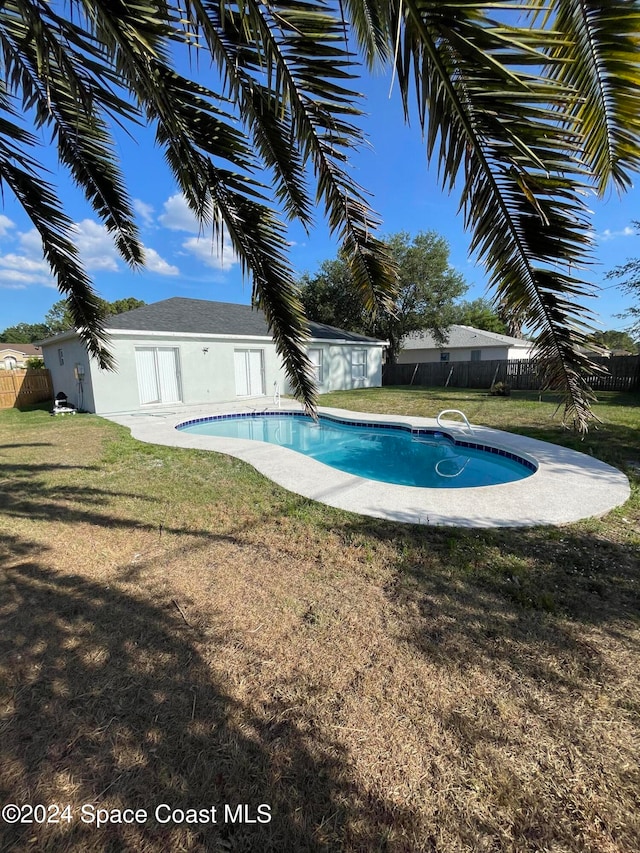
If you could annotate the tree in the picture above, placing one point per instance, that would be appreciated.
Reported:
(59, 317)
(480, 314)
(121, 306)
(427, 286)
(616, 340)
(24, 333)
(330, 297)
(34, 362)
(630, 272)
(494, 93)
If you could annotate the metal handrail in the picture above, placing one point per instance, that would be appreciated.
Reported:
(454, 412)
(450, 459)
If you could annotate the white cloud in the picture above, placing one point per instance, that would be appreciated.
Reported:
(5, 225)
(21, 270)
(145, 211)
(19, 279)
(28, 266)
(607, 234)
(10, 285)
(177, 216)
(95, 245)
(209, 252)
(24, 263)
(154, 263)
(96, 248)
(31, 243)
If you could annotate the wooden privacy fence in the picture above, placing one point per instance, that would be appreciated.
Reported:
(622, 373)
(20, 388)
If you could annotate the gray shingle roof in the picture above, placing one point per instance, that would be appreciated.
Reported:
(463, 336)
(200, 316)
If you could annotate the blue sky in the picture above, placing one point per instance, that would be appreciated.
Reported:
(183, 263)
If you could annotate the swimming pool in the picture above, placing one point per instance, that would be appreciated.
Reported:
(388, 453)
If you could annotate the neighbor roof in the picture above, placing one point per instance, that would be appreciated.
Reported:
(463, 336)
(25, 349)
(200, 316)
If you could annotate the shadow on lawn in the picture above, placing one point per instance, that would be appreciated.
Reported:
(32, 498)
(111, 703)
(548, 620)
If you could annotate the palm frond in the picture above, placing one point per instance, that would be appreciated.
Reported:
(23, 176)
(490, 118)
(262, 110)
(262, 248)
(297, 51)
(600, 62)
(47, 64)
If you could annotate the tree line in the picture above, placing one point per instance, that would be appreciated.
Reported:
(427, 299)
(59, 318)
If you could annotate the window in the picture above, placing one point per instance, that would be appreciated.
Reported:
(444, 356)
(315, 356)
(476, 354)
(60, 356)
(358, 365)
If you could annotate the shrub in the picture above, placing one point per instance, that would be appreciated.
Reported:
(500, 389)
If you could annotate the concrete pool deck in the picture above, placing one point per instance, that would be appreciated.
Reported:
(567, 486)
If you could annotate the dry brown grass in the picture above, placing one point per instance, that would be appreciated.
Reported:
(176, 629)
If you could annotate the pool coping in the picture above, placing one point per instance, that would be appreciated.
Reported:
(568, 485)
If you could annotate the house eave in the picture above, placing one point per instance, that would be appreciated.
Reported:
(59, 338)
(146, 333)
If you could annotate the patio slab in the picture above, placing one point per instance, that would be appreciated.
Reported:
(567, 486)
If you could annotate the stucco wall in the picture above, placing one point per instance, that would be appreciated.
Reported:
(63, 375)
(520, 352)
(341, 378)
(413, 356)
(206, 370)
(337, 369)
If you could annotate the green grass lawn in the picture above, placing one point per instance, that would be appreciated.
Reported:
(174, 628)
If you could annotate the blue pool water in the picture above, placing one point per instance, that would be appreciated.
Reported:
(389, 453)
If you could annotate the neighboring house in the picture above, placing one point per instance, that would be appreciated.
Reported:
(191, 351)
(14, 356)
(464, 343)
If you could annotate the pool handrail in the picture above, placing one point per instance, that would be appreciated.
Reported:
(449, 459)
(454, 412)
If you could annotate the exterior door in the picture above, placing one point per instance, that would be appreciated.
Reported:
(249, 372)
(158, 377)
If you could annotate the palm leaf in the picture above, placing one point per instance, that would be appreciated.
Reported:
(42, 67)
(600, 62)
(23, 176)
(296, 49)
(492, 104)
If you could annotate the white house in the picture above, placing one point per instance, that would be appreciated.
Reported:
(464, 343)
(192, 351)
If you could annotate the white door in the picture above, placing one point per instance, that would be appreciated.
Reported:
(167, 358)
(148, 387)
(158, 379)
(249, 372)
